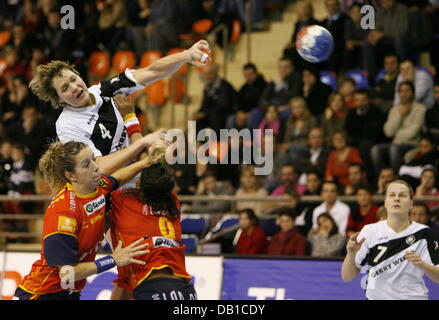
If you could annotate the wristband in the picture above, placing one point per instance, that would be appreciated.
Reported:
(132, 124)
(105, 263)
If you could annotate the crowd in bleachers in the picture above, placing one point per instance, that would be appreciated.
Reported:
(347, 126)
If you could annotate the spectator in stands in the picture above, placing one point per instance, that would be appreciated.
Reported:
(14, 100)
(417, 159)
(428, 185)
(432, 116)
(334, 117)
(252, 239)
(347, 90)
(314, 91)
(5, 165)
(14, 66)
(250, 187)
(421, 213)
(288, 241)
(280, 158)
(356, 176)
(272, 120)
(364, 127)
(422, 81)
(392, 27)
(362, 212)
(32, 17)
(248, 96)
(305, 17)
(335, 23)
(340, 158)
(404, 124)
(162, 30)
(331, 204)
(313, 188)
(21, 182)
(326, 241)
(385, 176)
(298, 126)
(138, 12)
(112, 23)
(316, 155)
(210, 186)
(355, 36)
(60, 42)
(32, 132)
(219, 99)
(22, 42)
(384, 91)
(313, 183)
(279, 92)
(289, 180)
(38, 57)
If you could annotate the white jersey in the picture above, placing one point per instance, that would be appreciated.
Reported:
(390, 275)
(100, 126)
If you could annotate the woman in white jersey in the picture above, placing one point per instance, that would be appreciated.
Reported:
(398, 251)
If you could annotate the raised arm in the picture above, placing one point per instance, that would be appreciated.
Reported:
(349, 270)
(166, 66)
(112, 162)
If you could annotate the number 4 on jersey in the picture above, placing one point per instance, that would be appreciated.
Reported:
(104, 132)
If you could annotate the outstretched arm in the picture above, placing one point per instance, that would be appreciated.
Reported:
(110, 163)
(166, 66)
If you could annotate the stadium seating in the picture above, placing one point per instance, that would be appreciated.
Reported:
(99, 64)
(329, 78)
(123, 59)
(4, 37)
(226, 222)
(156, 91)
(177, 89)
(193, 224)
(236, 32)
(360, 77)
(191, 242)
(269, 226)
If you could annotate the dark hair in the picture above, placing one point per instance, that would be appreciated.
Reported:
(316, 172)
(287, 211)
(250, 66)
(429, 138)
(333, 182)
(348, 79)
(363, 186)
(358, 165)
(355, 4)
(392, 54)
(156, 186)
(407, 83)
(423, 205)
(334, 229)
(363, 92)
(251, 215)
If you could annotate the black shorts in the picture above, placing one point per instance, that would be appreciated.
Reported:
(61, 295)
(165, 289)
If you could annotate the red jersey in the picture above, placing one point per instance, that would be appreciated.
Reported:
(132, 220)
(74, 226)
(254, 243)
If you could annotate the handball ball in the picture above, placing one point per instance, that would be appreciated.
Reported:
(314, 43)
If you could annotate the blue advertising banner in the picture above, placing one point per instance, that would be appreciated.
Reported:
(266, 279)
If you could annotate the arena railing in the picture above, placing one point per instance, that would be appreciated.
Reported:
(45, 200)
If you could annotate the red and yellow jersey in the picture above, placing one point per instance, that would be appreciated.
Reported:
(74, 226)
(132, 220)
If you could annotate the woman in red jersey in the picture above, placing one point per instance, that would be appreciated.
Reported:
(152, 211)
(74, 223)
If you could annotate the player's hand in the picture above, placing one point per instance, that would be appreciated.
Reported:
(155, 153)
(124, 256)
(197, 56)
(353, 245)
(151, 138)
(416, 260)
(125, 103)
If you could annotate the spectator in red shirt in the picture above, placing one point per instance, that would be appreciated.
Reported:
(288, 241)
(363, 212)
(252, 239)
(337, 165)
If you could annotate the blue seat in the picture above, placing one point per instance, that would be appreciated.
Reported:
(329, 78)
(227, 221)
(360, 77)
(380, 75)
(193, 225)
(191, 242)
(269, 226)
